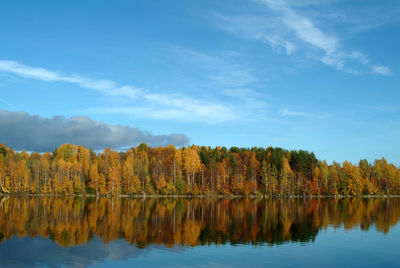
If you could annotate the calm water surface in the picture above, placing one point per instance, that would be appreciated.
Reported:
(121, 232)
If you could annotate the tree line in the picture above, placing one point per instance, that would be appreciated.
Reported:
(72, 169)
(71, 221)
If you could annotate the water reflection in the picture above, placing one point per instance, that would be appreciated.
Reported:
(70, 221)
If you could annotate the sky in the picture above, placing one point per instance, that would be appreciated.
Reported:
(318, 75)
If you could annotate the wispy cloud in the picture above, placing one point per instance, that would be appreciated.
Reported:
(381, 69)
(183, 115)
(222, 69)
(234, 78)
(308, 32)
(191, 110)
(288, 112)
(257, 27)
(291, 113)
(277, 43)
(286, 29)
(218, 74)
(105, 86)
(388, 108)
(8, 104)
(146, 103)
(240, 92)
(303, 27)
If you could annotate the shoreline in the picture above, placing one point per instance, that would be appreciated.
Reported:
(216, 196)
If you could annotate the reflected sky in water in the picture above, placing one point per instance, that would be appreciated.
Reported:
(75, 232)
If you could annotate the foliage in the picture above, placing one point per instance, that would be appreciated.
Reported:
(73, 169)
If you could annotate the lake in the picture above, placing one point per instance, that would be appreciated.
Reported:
(199, 232)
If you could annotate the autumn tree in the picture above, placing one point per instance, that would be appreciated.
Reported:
(191, 164)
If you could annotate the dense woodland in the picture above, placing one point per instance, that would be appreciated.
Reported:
(72, 221)
(194, 170)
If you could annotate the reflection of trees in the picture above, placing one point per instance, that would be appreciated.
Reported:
(71, 221)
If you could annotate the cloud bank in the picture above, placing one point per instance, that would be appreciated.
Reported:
(22, 131)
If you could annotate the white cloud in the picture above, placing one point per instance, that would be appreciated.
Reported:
(217, 74)
(152, 105)
(306, 31)
(28, 72)
(277, 44)
(291, 113)
(304, 28)
(170, 113)
(289, 30)
(104, 86)
(194, 109)
(287, 112)
(384, 70)
(247, 26)
(359, 56)
(257, 28)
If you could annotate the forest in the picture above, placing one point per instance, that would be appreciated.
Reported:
(143, 170)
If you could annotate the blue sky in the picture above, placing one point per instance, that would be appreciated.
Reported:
(316, 75)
